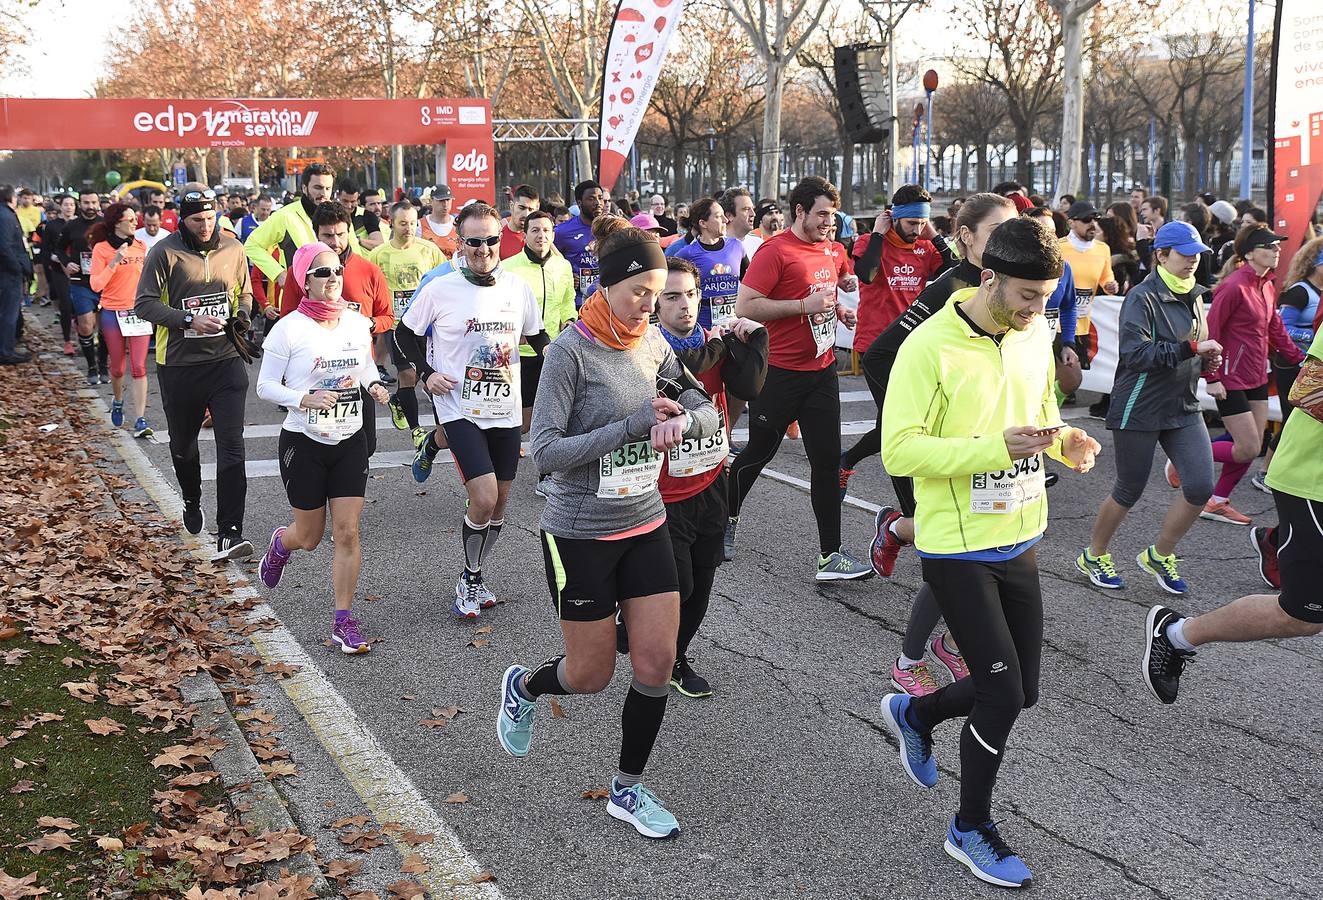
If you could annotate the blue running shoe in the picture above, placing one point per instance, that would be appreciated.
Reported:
(514, 722)
(916, 749)
(1163, 569)
(1100, 570)
(141, 429)
(422, 463)
(117, 413)
(985, 854)
(640, 807)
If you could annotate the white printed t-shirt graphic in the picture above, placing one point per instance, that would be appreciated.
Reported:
(315, 358)
(474, 340)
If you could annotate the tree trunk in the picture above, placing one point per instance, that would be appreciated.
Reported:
(964, 169)
(769, 183)
(1024, 153)
(677, 169)
(983, 168)
(583, 150)
(1072, 107)
(1190, 162)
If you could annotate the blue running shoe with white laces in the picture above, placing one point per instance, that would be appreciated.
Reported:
(985, 854)
(916, 748)
(117, 413)
(1163, 569)
(1100, 570)
(514, 721)
(422, 463)
(640, 807)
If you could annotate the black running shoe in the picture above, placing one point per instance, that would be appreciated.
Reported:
(231, 545)
(688, 682)
(194, 520)
(1163, 661)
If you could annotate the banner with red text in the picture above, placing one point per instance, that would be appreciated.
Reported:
(464, 125)
(1295, 166)
(640, 36)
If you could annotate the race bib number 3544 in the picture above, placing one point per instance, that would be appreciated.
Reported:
(628, 471)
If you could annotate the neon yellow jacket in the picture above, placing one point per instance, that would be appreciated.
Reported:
(288, 228)
(952, 394)
(553, 287)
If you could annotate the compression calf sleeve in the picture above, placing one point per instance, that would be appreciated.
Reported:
(548, 678)
(87, 344)
(407, 397)
(475, 539)
(640, 722)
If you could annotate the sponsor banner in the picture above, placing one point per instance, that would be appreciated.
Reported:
(1295, 166)
(640, 36)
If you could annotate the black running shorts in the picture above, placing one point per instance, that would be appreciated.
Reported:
(1300, 556)
(314, 472)
(589, 578)
(483, 451)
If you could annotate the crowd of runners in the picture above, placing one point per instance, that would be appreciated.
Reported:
(623, 338)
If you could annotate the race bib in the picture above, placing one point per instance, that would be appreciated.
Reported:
(1008, 490)
(487, 393)
(723, 308)
(399, 302)
(586, 278)
(214, 305)
(85, 262)
(340, 421)
(130, 325)
(629, 471)
(1053, 317)
(823, 328)
(1083, 303)
(698, 455)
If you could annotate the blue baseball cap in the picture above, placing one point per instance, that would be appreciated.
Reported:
(1181, 237)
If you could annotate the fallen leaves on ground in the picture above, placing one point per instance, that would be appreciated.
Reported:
(12, 888)
(595, 794)
(54, 822)
(458, 797)
(104, 725)
(557, 711)
(482, 877)
(57, 840)
(414, 865)
(413, 838)
(405, 890)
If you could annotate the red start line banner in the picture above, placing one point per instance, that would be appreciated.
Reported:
(463, 125)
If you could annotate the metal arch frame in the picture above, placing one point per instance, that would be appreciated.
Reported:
(528, 131)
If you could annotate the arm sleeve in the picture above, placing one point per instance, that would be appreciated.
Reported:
(1139, 351)
(1069, 313)
(909, 418)
(700, 359)
(265, 238)
(946, 253)
(270, 378)
(100, 267)
(553, 450)
(745, 368)
(869, 258)
(150, 303)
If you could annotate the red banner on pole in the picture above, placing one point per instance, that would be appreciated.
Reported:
(1295, 162)
(120, 124)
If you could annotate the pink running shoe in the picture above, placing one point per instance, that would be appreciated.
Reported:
(273, 560)
(952, 662)
(346, 634)
(917, 681)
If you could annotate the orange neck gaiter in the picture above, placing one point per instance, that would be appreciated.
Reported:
(607, 327)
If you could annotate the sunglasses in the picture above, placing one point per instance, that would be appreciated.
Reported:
(194, 196)
(478, 242)
(327, 271)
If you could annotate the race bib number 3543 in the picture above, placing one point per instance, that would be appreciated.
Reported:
(1007, 490)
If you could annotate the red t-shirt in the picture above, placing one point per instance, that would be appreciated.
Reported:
(788, 269)
(169, 220)
(511, 241)
(673, 490)
(901, 277)
(365, 290)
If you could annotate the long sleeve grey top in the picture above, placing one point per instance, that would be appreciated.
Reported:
(591, 401)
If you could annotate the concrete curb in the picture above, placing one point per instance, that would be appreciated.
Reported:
(251, 794)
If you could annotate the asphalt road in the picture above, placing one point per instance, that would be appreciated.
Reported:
(785, 782)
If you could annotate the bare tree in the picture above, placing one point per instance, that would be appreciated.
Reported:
(1071, 13)
(778, 30)
(970, 113)
(818, 59)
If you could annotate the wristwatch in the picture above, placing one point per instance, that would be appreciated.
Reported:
(188, 320)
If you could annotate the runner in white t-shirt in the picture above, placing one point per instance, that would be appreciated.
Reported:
(315, 363)
(462, 333)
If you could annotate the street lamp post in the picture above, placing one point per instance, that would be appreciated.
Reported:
(712, 157)
(918, 124)
(929, 87)
(1247, 114)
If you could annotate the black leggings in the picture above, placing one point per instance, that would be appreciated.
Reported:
(813, 399)
(696, 524)
(876, 365)
(57, 285)
(187, 392)
(995, 612)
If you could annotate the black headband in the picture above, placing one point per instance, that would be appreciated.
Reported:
(196, 202)
(1039, 270)
(631, 259)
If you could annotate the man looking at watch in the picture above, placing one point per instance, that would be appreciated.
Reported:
(195, 289)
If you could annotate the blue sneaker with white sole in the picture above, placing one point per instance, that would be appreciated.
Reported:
(640, 807)
(916, 748)
(422, 463)
(985, 854)
(117, 413)
(514, 722)
(1163, 569)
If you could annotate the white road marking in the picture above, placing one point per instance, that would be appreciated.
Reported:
(384, 788)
